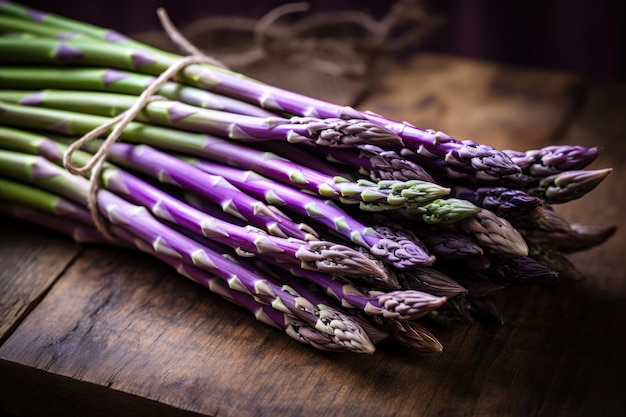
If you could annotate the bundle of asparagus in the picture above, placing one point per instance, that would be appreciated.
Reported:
(340, 227)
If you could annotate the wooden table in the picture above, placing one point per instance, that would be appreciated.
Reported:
(93, 331)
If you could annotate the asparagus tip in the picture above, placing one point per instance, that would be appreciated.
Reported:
(344, 331)
(410, 304)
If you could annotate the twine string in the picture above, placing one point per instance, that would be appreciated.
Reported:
(118, 124)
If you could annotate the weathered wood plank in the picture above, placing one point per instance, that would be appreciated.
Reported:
(295, 75)
(123, 321)
(601, 122)
(29, 264)
(145, 331)
(594, 355)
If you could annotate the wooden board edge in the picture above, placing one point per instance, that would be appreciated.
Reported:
(27, 391)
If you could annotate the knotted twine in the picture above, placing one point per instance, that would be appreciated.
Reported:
(119, 123)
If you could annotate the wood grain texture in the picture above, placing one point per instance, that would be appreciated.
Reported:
(29, 267)
(601, 121)
(125, 322)
(322, 78)
(506, 107)
(119, 334)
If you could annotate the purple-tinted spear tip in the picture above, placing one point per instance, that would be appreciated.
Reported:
(586, 236)
(345, 333)
(410, 304)
(401, 248)
(495, 234)
(337, 259)
(485, 159)
(346, 133)
(389, 165)
(431, 281)
(511, 201)
(570, 185)
(565, 272)
(412, 335)
(450, 245)
(304, 333)
(554, 159)
(522, 270)
(570, 157)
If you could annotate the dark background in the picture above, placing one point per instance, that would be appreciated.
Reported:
(581, 36)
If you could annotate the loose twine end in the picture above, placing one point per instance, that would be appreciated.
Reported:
(117, 124)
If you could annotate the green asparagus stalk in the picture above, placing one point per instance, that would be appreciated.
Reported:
(385, 195)
(44, 24)
(12, 25)
(323, 132)
(41, 200)
(122, 82)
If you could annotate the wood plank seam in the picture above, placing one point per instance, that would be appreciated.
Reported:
(35, 302)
